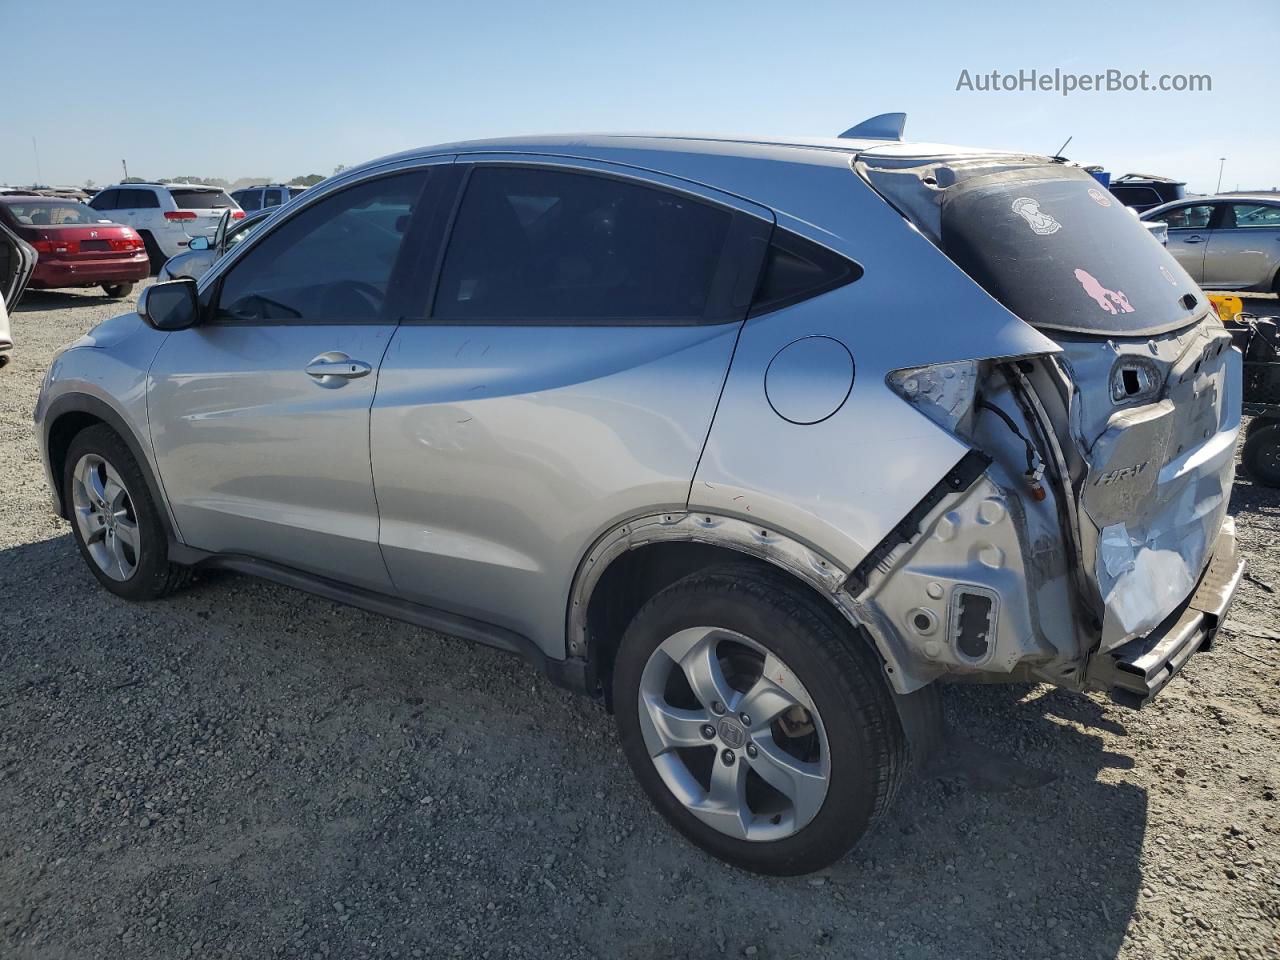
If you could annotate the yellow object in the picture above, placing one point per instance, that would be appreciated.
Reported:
(1227, 305)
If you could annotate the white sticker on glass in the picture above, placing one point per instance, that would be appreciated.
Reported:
(1037, 219)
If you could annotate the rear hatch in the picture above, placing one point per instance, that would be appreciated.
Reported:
(200, 208)
(1144, 398)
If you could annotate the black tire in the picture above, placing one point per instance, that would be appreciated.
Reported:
(117, 291)
(154, 576)
(154, 253)
(869, 753)
(1261, 454)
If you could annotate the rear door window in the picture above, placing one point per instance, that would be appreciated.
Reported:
(272, 197)
(248, 199)
(1255, 215)
(546, 245)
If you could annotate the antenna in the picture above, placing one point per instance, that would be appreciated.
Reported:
(1064, 145)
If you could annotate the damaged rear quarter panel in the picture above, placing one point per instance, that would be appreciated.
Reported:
(843, 483)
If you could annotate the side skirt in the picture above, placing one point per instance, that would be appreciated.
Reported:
(570, 674)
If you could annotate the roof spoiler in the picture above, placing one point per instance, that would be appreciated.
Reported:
(886, 126)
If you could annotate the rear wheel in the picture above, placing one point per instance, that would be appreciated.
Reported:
(154, 253)
(117, 290)
(116, 524)
(1261, 454)
(758, 723)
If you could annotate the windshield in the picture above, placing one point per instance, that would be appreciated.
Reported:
(1060, 252)
(201, 199)
(52, 213)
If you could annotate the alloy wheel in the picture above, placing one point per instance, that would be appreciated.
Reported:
(733, 734)
(104, 515)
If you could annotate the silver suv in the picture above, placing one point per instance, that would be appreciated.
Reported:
(753, 441)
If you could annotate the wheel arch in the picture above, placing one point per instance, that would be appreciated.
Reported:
(73, 413)
(635, 559)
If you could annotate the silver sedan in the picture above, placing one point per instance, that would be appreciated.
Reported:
(1229, 242)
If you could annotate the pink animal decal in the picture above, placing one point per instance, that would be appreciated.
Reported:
(1112, 301)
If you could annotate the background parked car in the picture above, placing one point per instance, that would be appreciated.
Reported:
(17, 259)
(76, 246)
(166, 215)
(1228, 242)
(203, 251)
(263, 195)
(1142, 191)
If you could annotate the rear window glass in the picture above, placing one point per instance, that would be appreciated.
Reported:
(1062, 253)
(1136, 196)
(41, 214)
(200, 199)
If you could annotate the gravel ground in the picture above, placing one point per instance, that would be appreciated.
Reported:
(247, 771)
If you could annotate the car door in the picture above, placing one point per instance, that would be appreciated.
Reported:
(1188, 235)
(562, 378)
(17, 260)
(1244, 248)
(260, 414)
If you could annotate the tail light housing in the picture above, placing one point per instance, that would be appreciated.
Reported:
(125, 244)
(944, 392)
(237, 214)
(179, 215)
(57, 246)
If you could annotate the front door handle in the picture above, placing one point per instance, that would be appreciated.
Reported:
(333, 369)
(1194, 239)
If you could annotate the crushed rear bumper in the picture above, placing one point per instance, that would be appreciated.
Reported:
(1135, 672)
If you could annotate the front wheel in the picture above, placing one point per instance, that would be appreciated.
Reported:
(117, 290)
(116, 524)
(759, 724)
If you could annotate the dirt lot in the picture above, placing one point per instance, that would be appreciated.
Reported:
(246, 771)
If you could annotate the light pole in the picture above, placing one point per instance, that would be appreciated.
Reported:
(1221, 162)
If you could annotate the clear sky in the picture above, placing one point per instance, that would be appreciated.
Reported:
(281, 88)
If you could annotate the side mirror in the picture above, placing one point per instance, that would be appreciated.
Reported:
(170, 306)
(198, 243)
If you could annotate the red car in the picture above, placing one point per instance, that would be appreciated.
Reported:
(75, 247)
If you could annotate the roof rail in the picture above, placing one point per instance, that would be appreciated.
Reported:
(885, 126)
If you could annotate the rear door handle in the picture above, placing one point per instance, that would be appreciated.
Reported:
(1194, 239)
(333, 369)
